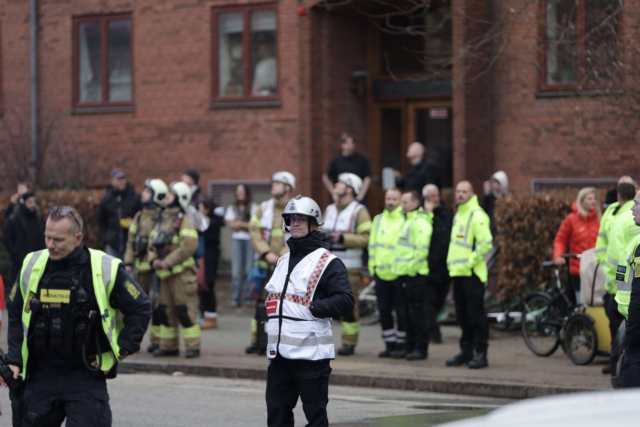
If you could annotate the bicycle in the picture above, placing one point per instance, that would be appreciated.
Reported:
(549, 320)
(369, 313)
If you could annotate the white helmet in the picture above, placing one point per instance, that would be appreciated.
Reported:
(285, 178)
(159, 190)
(302, 205)
(352, 180)
(183, 192)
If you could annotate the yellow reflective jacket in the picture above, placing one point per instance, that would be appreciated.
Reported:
(382, 243)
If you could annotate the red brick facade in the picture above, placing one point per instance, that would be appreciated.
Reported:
(500, 121)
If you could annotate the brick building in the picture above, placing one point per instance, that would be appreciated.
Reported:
(239, 89)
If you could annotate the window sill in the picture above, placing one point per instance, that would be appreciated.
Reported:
(246, 104)
(576, 93)
(78, 111)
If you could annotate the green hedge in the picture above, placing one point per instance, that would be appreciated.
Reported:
(528, 225)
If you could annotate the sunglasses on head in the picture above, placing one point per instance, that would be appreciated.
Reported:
(63, 212)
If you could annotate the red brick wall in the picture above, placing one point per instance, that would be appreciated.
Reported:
(173, 127)
(563, 137)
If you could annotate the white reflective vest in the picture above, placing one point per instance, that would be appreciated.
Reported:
(293, 331)
(266, 222)
(345, 222)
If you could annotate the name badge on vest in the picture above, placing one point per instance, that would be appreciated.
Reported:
(55, 296)
(272, 307)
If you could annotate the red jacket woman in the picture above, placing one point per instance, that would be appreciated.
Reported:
(579, 231)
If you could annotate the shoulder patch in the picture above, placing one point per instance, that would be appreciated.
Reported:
(620, 273)
(131, 288)
(636, 267)
(13, 292)
(27, 306)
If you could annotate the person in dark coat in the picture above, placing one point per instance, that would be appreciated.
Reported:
(418, 174)
(23, 187)
(211, 237)
(192, 178)
(116, 210)
(23, 232)
(494, 189)
(437, 259)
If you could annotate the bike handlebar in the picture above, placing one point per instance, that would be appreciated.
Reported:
(548, 264)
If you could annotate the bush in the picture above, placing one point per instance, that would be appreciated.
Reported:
(85, 201)
(528, 225)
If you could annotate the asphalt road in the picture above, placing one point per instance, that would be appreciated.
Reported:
(170, 401)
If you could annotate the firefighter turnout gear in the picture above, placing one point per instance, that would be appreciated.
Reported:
(266, 229)
(137, 256)
(353, 222)
(174, 240)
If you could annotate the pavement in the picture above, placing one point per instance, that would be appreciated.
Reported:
(514, 372)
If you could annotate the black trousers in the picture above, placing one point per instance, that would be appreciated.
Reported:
(631, 375)
(468, 293)
(435, 301)
(574, 285)
(289, 379)
(415, 291)
(388, 294)
(77, 395)
(208, 300)
(615, 318)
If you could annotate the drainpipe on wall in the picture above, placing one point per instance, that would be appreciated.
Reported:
(34, 83)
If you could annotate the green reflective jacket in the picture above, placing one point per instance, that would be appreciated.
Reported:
(603, 232)
(628, 269)
(471, 241)
(412, 249)
(382, 243)
(622, 230)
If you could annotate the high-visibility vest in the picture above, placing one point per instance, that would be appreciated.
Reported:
(603, 233)
(382, 243)
(104, 269)
(293, 331)
(628, 269)
(622, 230)
(412, 248)
(471, 241)
(345, 222)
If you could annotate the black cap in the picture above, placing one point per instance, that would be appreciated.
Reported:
(118, 174)
(194, 174)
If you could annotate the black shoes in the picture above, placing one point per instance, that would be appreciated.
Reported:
(479, 361)
(152, 348)
(252, 349)
(388, 351)
(460, 359)
(607, 369)
(166, 353)
(347, 350)
(416, 355)
(436, 339)
(399, 354)
(192, 354)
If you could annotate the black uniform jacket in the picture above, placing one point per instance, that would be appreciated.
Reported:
(439, 248)
(333, 296)
(632, 334)
(115, 206)
(127, 297)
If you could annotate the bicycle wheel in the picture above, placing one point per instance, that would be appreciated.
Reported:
(540, 325)
(580, 339)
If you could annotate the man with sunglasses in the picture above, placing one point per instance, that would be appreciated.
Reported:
(309, 287)
(64, 336)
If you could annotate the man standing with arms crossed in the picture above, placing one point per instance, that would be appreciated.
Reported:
(471, 240)
(349, 223)
(269, 242)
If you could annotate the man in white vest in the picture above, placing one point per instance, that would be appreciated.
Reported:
(348, 224)
(308, 288)
(269, 242)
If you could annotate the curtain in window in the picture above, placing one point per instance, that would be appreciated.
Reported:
(90, 62)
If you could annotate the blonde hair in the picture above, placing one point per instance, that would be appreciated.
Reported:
(580, 201)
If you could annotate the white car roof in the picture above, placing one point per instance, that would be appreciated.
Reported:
(590, 409)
